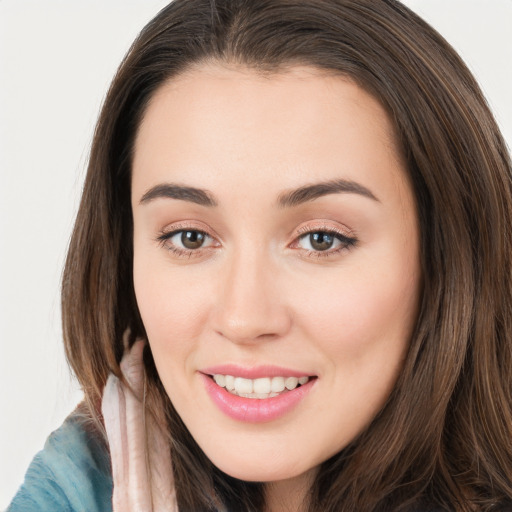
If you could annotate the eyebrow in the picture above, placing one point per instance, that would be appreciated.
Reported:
(311, 192)
(184, 193)
(285, 200)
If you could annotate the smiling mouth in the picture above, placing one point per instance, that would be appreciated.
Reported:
(262, 388)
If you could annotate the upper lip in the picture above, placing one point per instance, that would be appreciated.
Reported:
(253, 372)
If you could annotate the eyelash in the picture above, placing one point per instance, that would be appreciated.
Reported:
(165, 236)
(346, 242)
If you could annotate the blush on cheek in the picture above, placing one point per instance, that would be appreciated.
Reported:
(356, 316)
(343, 317)
(170, 308)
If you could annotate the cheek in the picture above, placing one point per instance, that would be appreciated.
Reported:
(361, 322)
(359, 309)
(171, 309)
(362, 319)
(172, 306)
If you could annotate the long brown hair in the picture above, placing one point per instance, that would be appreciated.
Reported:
(444, 437)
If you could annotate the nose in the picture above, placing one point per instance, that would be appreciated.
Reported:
(251, 307)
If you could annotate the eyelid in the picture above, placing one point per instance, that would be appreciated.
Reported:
(165, 234)
(188, 226)
(324, 225)
(345, 235)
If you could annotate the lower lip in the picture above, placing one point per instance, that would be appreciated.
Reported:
(255, 410)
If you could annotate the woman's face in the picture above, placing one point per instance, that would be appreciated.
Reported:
(275, 246)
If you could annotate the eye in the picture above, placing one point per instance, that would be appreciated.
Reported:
(186, 241)
(189, 239)
(324, 241)
(318, 241)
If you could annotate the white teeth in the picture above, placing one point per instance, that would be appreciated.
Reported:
(220, 380)
(261, 385)
(264, 387)
(278, 384)
(291, 382)
(230, 382)
(243, 385)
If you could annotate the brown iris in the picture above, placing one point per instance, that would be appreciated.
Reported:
(321, 241)
(192, 239)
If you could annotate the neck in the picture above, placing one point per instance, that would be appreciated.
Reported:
(291, 495)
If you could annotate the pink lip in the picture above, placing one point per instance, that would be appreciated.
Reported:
(255, 372)
(254, 410)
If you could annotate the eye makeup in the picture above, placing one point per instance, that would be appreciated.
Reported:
(316, 240)
(321, 240)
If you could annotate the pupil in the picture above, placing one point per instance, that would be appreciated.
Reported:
(321, 241)
(192, 239)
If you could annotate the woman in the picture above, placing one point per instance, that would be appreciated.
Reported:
(299, 212)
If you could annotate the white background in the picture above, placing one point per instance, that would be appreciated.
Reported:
(56, 61)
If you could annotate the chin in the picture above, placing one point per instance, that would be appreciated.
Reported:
(256, 474)
(256, 469)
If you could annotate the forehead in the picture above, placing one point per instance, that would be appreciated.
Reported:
(229, 125)
(302, 93)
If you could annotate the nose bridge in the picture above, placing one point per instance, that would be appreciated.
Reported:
(250, 307)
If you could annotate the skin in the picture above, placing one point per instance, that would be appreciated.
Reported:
(257, 293)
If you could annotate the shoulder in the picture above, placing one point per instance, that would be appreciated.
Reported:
(71, 473)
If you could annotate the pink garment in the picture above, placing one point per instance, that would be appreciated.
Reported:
(141, 463)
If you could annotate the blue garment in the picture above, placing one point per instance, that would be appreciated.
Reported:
(71, 474)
